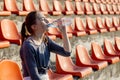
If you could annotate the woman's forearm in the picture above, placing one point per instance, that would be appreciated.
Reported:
(66, 42)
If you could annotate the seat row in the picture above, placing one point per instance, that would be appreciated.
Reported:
(10, 7)
(100, 25)
(9, 33)
(100, 1)
(85, 62)
(65, 68)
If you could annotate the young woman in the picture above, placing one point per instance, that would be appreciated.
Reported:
(36, 47)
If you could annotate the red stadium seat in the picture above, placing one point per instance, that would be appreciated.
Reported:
(109, 25)
(78, 8)
(109, 49)
(84, 59)
(28, 6)
(8, 31)
(65, 65)
(109, 9)
(115, 23)
(88, 8)
(100, 26)
(103, 9)
(10, 70)
(4, 44)
(69, 9)
(115, 9)
(79, 28)
(98, 54)
(90, 26)
(117, 43)
(57, 8)
(96, 8)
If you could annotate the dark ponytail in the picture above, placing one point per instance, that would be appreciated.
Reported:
(24, 32)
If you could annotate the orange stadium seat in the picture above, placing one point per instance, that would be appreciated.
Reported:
(44, 7)
(11, 6)
(103, 1)
(109, 9)
(100, 26)
(108, 25)
(64, 65)
(109, 49)
(10, 70)
(92, 1)
(88, 8)
(84, 59)
(78, 8)
(56, 76)
(79, 28)
(90, 26)
(8, 31)
(85, 0)
(115, 9)
(98, 54)
(5, 13)
(57, 8)
(115, 23)
(96, 8)
(28, 6)
(4, 44)
(69, 9)
(117, 43)
(103, 9)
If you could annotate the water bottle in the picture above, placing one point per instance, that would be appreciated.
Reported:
(65, 22)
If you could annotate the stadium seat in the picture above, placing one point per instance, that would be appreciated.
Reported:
(98, 54)
(109, 9)
(103, 9)
(88, 8)
(69, 9)
(100, 26)
(78, 8)
(56, 76)
(85, 0)
(8, 31)
(115, 9)
(79, 28)
(103, 1)
(84, 59)
(4, 44)
(64, 65)
(28, 6)
(117, 43)
(44, 7)
(10, 70)
(109, 49)
(96, 8)
(92, 1)
(11, 6)
(90, 26)
(115, 23)
(108, 25)
(118, 7)
(57, 8)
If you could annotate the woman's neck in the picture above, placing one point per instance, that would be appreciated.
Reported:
(38, 39)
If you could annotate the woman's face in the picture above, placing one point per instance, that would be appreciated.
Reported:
(41, 23)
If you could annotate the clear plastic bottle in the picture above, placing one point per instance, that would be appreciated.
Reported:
(65, 22)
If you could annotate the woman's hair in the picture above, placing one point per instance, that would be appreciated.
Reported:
(29, 21)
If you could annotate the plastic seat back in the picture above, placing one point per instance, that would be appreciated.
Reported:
(97, 52)
(10, 5)
(88, 8)
(117, 43)
(96, 8)
(9, 31)
(57, 6)
(82, 55)
(109, 9)
(108, 48)
(10, 70)
(68, 6)
(103, 9)
(115, 22)
(115, 9)
(28, 5)
(78, 8)
(43, 6)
